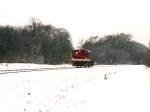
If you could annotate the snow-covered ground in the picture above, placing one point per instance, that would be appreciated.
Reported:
(102, 88)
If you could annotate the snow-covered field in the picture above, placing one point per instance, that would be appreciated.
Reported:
(63, 88)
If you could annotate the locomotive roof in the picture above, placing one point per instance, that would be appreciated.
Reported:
(81, 50)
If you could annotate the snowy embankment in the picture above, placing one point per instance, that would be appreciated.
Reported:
(127, 89)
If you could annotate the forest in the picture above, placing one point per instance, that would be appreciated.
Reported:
(117, 49)
(46, 44)
(36, 43)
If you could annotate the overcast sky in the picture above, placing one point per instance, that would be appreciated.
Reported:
(83, 18)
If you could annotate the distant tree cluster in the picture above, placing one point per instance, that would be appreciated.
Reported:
(36, 43)
(117, 49)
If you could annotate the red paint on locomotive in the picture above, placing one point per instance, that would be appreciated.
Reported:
(82, 58)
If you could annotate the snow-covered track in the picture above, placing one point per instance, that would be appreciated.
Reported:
(32, 70)
(27, 69)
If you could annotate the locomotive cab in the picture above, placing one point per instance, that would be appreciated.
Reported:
(82, 58)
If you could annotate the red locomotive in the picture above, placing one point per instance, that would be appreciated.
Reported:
(82, 58)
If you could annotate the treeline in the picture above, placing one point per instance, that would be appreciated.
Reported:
(36, 43)
(39, 43)
(117, 49)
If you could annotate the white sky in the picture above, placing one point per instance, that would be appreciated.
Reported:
(83, 18)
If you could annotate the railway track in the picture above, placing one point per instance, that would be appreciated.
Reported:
(7, 71)
(32, 70)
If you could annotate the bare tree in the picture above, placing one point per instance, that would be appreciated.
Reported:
(80, 42)
(149, 44)
(36, 23)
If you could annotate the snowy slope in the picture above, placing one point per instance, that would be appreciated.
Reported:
(69, 89)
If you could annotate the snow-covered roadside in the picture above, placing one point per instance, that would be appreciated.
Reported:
(127, 89)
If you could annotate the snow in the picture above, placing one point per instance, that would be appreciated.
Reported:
(63, 88)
